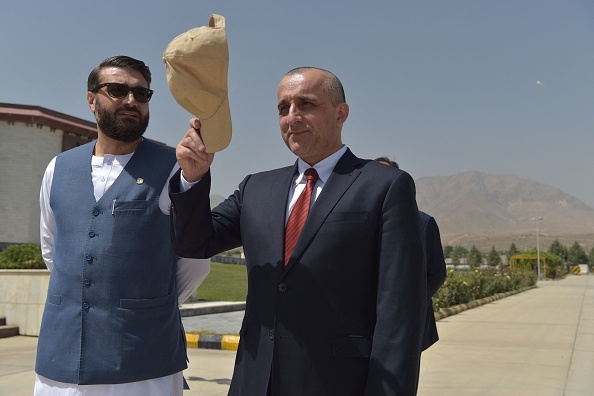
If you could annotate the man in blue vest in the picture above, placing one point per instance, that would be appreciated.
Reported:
(111, 323)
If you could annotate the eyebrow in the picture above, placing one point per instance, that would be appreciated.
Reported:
(302, 98)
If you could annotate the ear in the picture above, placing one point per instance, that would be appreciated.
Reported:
(91, 98)
(342, 113)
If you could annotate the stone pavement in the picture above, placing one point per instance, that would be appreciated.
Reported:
(536, 343)
(222, 323)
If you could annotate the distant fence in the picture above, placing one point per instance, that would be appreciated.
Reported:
(228, 260)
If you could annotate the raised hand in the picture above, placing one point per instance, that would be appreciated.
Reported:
(191, 153)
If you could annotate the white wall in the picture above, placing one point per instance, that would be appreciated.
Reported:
(22, 298)
(25, 151)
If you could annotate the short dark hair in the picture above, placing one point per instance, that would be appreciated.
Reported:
(123, 62)
(388, 161)
(332, 86)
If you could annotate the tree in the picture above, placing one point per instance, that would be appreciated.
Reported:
(493, 258)
(592, 256)
(455, 258)
(576, 254)
(475, 257)
(513, 250)
(447, 251)
(461, 251)
(558, 249)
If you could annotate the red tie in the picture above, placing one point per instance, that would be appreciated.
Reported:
(299, 214)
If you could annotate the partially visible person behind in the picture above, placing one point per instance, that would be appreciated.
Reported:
(111, 323)
(436, 267)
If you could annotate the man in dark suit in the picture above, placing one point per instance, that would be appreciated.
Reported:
(343, 312)
(436, 267)
(436, 274)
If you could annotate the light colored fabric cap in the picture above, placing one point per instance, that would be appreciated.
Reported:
(196, 63)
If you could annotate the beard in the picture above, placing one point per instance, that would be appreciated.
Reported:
(126, 130)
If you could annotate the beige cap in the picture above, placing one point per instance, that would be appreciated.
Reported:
(196, 63)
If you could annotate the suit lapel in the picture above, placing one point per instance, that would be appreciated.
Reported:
(342, 177)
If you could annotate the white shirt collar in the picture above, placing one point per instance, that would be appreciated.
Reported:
(324, 167)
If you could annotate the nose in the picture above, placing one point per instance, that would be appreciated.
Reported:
(129, 98)
(294, 115)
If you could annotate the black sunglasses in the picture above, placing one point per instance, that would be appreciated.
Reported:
(119, 91)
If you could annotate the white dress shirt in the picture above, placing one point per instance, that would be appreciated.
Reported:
(189, 275)
(324, 169)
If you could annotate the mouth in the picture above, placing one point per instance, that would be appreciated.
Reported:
(297, 132)
(129, 114)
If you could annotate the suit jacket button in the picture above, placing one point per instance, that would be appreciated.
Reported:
(282, 287)
(271, 335)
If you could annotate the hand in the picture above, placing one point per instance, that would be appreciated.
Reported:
(191, 153)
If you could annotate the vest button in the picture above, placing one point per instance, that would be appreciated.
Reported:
(87, 282)
(91, 234)
(271, 335)
(86, 305)
(88, 258)
(282, 287)
(95, 212)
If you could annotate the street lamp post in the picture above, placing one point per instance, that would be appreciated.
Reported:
(538, 219)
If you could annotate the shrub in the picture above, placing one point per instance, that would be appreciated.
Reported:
(463, 287)
(26, 256)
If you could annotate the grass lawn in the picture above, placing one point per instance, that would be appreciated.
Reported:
(225, 282)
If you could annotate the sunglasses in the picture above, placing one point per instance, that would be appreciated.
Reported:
(119, 91)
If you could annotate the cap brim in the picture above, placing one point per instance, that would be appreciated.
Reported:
(216, 130)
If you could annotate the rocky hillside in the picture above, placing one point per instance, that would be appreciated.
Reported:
(475, 205)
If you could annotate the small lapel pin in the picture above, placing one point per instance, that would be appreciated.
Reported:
(140, 180)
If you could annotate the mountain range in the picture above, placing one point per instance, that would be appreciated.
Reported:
(485, 210)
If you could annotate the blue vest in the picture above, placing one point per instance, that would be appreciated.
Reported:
(111, 314)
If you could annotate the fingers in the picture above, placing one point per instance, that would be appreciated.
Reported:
(193, 142)
(195, 123)
(191, 153)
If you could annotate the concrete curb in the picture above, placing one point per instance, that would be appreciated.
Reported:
(231, 342)
(206, 308)
(226, 342)
(208, 341)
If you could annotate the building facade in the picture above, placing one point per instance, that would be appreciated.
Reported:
(30, 136)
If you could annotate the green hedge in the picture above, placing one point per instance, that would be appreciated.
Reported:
(463, 287)
(27, 256)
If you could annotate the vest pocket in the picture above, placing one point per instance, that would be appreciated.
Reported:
(138, 303)
(125, 206)
(54, 299)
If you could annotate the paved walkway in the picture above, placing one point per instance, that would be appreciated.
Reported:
(536, 343)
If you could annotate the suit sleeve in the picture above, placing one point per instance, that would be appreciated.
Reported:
(198, 232)
(402, 294)
(436, 268)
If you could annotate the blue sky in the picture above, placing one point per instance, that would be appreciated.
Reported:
(440, 86)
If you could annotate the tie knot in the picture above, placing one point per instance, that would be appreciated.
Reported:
(311, 175)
